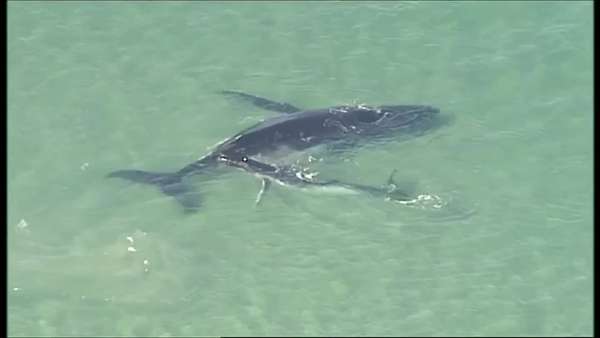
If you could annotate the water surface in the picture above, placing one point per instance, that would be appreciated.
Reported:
(95, 87)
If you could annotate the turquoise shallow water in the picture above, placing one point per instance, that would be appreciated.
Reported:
(95, 87)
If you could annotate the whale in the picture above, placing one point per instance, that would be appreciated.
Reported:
(293, 130)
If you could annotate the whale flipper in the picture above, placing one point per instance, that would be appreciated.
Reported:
(264, 103)
(169, 183)
(266, 184)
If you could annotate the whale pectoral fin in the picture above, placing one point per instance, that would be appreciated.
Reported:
(264, 103)
(266, 184)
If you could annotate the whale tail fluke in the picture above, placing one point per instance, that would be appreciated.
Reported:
(169, 183)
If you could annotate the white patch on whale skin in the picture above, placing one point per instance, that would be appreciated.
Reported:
(320, 189)
(216, 145)
(315, 189)
(330, 189)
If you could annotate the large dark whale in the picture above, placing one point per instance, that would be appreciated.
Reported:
(294, 130)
